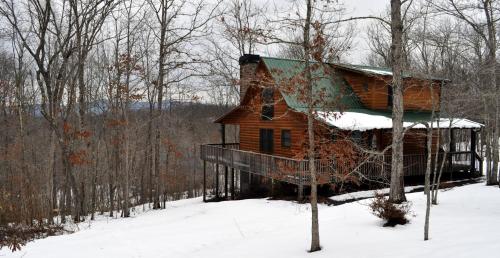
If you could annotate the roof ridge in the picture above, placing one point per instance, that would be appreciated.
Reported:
(329, 63)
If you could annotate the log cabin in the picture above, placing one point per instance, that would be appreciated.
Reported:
(352, 107)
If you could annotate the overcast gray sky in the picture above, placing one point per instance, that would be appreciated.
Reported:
(363, 8)
(354, 8)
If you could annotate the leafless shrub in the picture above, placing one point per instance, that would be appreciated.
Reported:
(393, 214)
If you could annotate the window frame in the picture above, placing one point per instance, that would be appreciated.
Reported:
(286, 140)
(264, 134)
(267, 99)
(357, 137)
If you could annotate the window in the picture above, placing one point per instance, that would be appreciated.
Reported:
(286, 138)
(266, 137)
(389, 96)
(365, 86)
(357, 137)
(372, 140)
(267, 112)
(267, 104)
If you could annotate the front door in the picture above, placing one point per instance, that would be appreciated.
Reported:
(266, 140)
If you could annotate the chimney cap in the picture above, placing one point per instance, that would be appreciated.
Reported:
(249, 58)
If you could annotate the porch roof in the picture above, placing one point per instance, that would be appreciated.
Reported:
(364, 119)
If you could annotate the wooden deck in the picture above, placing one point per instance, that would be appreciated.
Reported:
(296, 171)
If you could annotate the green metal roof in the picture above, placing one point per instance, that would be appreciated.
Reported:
(333, 91)
(338, 94)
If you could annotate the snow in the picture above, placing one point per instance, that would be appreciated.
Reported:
(362, 122)
(464, 224)
(376, 71)
(368, 193)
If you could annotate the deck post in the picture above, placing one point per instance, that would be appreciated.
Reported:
(472, 151)
(204, 181)
(226, 172)
(452, 149)
(232, 183)
(217, 181)
(300, 194)
(226, 183)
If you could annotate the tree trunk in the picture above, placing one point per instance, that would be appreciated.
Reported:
(397, 194)
(427, 183)
(493, 89)
(160, 86)
(435, 189)
(315, 244)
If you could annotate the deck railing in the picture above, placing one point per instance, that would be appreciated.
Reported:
(284, 169)
(296, 171)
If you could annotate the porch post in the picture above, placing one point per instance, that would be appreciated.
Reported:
(472, 151)
(217, 181)
(204, 181)
(300, 194)
(226, 172)
(232, 183)
(452, 149)
(223, 140)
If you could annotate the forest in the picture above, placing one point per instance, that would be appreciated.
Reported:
(104, 103)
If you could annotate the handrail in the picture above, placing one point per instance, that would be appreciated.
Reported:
(296, 170)
(260, 154)
(220, 144)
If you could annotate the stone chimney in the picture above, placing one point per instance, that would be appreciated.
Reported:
(248, 67)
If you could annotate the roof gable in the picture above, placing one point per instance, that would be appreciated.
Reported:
(333, 91)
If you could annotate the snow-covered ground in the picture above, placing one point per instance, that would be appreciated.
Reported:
(369, 193)
(466, 223)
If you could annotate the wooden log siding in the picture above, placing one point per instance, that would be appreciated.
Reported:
(296, 171)
(372, 91)
(250, 122)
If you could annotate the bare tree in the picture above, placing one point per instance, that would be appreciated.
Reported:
(315, 244)
(237, 31)
(397, 194)
(482, 18)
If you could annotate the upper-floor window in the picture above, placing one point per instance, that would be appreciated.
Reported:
(267, 104)
(286, 138)
(389, 96)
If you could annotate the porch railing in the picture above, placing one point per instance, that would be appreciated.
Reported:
(296, 171)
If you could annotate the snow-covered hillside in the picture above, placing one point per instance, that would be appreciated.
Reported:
(465, 224)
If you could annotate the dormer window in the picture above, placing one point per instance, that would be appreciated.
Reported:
(267, 104)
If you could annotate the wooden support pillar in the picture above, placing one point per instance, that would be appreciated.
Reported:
(272, 188)
(232, 183)
(472, 151)
(300, 194)
(216, 181)
(452, 149)
(226, 181)
(226, 172)
(204, 181)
